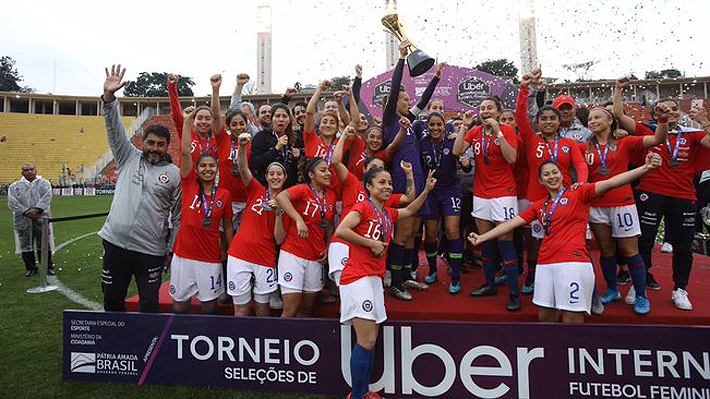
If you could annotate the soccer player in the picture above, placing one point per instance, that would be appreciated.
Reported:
(669, 192)
(538, 148)
(564, 277)
(368, 229)
(310, 207)
(445, 199)
(251, 263)
(196, 267)
(495, 149)
(613, 218)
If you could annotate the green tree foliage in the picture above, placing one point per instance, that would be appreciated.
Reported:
(155, 84)
(10, 78)
(339, 81)
(670, 73)
(499, 67)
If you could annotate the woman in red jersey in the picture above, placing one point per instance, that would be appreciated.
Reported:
(494, 199)
(564, 277)
(251, 264)
(354, 192)
(196, 267)
(310, 207)
(543, 146)
(373, 146)
(613, 218)
(669, 192)
(368, 229)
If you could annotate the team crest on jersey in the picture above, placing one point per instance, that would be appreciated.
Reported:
(537, 228)
(683, 141)
(367, 306)
(214, 148)
(330, 207)
(219, 204)
(344, 261)
(577, 136)
(496, 142)
(288, 277)
(563, 201)
(172, 289)
(231, 285)
(565, 149)
(446, 151)
(643, 197)
(164, 178)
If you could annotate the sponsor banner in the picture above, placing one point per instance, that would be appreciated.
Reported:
(105, 191)
(56, 192)
(413, 359)
(89, 191)
(79, 191)
(67, 192)
(461, 89)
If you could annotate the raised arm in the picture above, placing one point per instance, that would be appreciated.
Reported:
(509, 153)
(236, 101)
(428, 92)
(340, 169)
(625, 122)
(188, 114)
(242, 161)
(460, 145)
(175, 107)
(391, 149)
(411, 190)
(501, 229)
(312, 107)
(216, 82)
(389, 116)
(342, 112)
(653, 161)
(286, 98)
(413, 207)
(662, 112)
(521, 110)
(354, 110)
(700, 115)
(118, 141)
(357, 83)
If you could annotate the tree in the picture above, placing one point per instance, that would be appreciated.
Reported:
(155, 84)
(499, 67)
(671, 73)
(338, 82)
(581, 70)
(10, 78)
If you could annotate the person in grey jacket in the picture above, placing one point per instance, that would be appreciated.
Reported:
(29, 200)
(135, 235)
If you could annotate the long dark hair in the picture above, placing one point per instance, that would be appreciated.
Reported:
(289, 129)
(306, 165)
(369, 176)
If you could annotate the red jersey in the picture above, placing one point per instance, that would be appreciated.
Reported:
(306, 205)
(521, 174)
(254, 241)
(566, 240)
(362, 262)
(493, 179)
(673, 182)
(354, 193)
(195, 241)
(703, 159)
(617, 161)
(315, 147)
(359, 154)
(229, 177)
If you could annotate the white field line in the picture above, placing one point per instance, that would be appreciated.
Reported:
(68, 292)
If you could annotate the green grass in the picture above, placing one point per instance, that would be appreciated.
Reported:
(31, 324)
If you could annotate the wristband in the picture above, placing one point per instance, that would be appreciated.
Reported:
(662, 120)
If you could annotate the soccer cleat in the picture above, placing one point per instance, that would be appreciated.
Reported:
(485, 290)
(631, 296)
(501, 279)
(429, 279)
(681, 300)
(454, 289)
(415, 285)
(400, 293)
(597, 306)
(513, 304)
(667, 248)
(387, 281)
(623, 277)
(651, 282)
(610, 296)
(414, 274)
(529, 286)
(642, 306)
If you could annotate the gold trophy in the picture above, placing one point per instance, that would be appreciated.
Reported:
(417, 60)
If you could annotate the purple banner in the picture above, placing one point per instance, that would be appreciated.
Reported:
(415, 359)
(461, 89)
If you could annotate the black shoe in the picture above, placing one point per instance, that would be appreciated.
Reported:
(50, 271)
(485, 290)
(651, 282)
(623, 277)
(513, 304)
(31, 272)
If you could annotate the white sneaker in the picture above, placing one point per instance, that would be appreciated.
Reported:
(667, 247)
(414, 274)
(680, 299)
(387, 281)
(631, 296)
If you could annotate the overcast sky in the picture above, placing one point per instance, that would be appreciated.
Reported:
(313, 40)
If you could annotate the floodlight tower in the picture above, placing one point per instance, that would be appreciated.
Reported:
(391, 41)
(263, 48)
(528, 43)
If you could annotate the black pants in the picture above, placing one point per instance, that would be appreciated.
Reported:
(119, 266)
(679, 215)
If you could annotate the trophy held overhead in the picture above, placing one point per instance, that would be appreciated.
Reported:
(418, 61)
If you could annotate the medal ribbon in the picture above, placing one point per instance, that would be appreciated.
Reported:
(209, 141)
(384, 226)
(487, 144)
(553, 156)
(674, 153)
(602, 159)
(321, 207)
(208, 212)
(547, 217)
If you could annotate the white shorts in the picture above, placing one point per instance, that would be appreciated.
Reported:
(238, 211)
(363, 299)
(189, 277)
(624, 220)
(495, 209)
(338, 254)
(239, 281)
(298, 274)
(564, 286)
